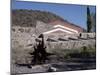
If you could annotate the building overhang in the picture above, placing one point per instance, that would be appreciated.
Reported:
(58, 29)
(62, 29)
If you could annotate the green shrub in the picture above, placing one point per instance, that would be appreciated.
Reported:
(83, 52)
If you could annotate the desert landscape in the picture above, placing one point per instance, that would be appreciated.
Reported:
(44, 42)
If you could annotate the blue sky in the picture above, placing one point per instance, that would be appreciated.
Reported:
(73, 13)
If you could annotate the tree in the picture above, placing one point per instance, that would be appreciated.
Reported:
(93, 19)
(89, 23)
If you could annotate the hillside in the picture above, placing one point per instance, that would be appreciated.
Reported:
(28, 18)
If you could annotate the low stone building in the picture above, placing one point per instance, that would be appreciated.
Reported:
(56, 31)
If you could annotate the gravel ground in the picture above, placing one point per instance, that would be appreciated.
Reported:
(61, 66)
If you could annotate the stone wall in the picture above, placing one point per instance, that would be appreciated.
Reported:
(66, 41)
(22, 42)
(71, 44)
(25, 37)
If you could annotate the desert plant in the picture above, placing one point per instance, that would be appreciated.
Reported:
(88, 52)
(84, 52)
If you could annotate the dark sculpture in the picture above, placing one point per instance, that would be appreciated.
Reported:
(40, 54)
